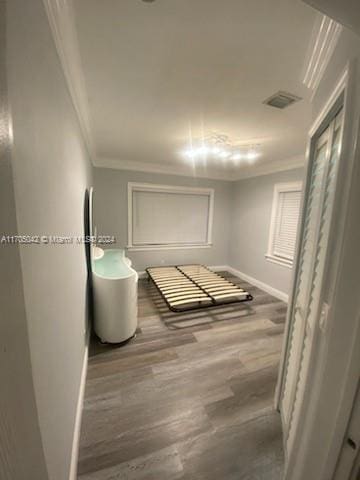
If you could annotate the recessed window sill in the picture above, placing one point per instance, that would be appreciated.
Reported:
(140, 248)
(279, 261)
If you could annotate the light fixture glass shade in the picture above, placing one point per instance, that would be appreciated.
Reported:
(219, 147)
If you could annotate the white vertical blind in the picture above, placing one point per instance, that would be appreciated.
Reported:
(309, 281)
(161, 216)
(308, 240)
(286, 221)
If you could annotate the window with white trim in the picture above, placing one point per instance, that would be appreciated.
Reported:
(284, 223)
(162, 216)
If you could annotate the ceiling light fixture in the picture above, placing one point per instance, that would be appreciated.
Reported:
(219, 147)
(252, 155)
(224, 154)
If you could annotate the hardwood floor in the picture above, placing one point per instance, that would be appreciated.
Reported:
(189, 398)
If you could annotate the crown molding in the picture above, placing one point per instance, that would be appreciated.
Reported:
(61, 17)
(324, 38)
(290, 163)
(230, 176)
(165, 169)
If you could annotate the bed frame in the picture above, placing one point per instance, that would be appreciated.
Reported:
(190, 287)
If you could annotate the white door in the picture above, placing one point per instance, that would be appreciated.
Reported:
(305, 308)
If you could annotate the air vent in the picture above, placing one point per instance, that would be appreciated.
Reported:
(281, 100)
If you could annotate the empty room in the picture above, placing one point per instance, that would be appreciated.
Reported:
(180, 185)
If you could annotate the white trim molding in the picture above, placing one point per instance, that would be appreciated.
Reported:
(279, 261)
(62, 24)
(339, 88)
(258, 283)
(267, 168)
(162, 168)
(151, 187)
(326, 33)
(232, 175)
(78, 416)
(144, 248)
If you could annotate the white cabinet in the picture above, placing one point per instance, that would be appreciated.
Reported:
(115, 297)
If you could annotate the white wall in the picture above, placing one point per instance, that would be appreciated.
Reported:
(51, 175)
(250, 223)
(110, 199)
(21, 452)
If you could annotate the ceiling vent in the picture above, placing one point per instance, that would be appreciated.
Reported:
(281, 100)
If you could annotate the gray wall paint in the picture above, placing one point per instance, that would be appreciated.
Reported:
(241, 221)
(250, 224)
(51, 174)
(110, 200)
(21, 454)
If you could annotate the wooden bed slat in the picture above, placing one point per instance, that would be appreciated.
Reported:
(222, 287)
(193, 300)
(163, 272)
(230, 291)
(176, 289)
(178, 294)
(198, 278)
(181, 281)
(184, 296)
(196, 272)
(214, 283)
(214, 279)
(227, 295)
(193, 274)
(170, 280)
(167, 277)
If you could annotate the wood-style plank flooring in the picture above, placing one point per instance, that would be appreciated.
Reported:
(190, 398)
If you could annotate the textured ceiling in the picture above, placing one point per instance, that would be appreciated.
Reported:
(156, 71)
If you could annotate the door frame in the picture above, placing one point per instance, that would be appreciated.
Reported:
(324, 339)
(348, 463)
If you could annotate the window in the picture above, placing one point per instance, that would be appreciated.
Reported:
(161, 216)
(284, 223)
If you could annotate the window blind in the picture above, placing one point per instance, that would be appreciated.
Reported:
(160, 218)
(286, 221)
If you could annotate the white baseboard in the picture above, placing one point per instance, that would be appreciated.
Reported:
(79, 409)
(219, 268)
(257, 283)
